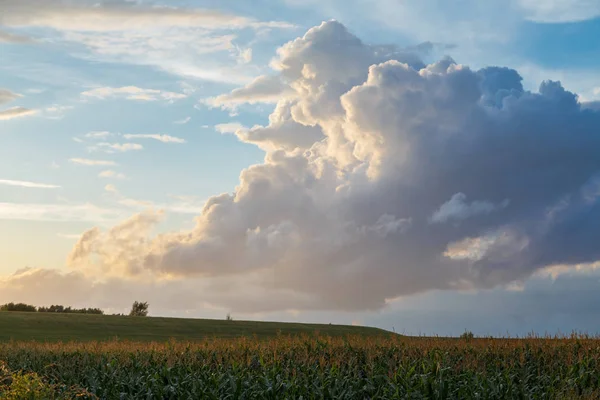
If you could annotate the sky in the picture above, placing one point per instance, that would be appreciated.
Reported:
(425, 167)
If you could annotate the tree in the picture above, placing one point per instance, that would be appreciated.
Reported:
(139, 309)
(18, 307)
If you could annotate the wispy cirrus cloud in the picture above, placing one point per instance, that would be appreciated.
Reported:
(98, 134)
(175, 40)
(182, 121)
(159, 137)
(88, 162)
(264, 89)
(56, 111)
(7, 37)
(229, 127)
(58, 212)
(16, 112)
(117, 16)
(115, 147)
(553, 11)
(7, 96)
(110, 174)
(27, 184)
(132, 93)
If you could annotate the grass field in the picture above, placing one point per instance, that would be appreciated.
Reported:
(82, 327)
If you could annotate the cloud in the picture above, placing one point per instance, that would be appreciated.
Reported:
(373, 144)
(88, 162)
(98, 134)
(183, 121)
(118, 15)
(457, 208)
(69, 236)
(6, 96)
(7, 37)
(58, 213)
(132, 93)
(160, 138)
(229, 127)
(115, 147)
(15, 112)
(282, 132)
(56, 111)
(110, 174)
(592, 105)
(183, 205)
(264, 89)
(175, 40)
(27, 184)
(553, 11)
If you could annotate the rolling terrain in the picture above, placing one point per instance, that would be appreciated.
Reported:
(82, 327)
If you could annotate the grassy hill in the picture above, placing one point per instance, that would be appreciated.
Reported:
(81, 327)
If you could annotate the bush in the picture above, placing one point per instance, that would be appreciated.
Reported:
(468, 335)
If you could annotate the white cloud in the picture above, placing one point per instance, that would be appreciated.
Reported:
(98, 134)
(58, 212)
(182, 205)
(244, 56)
(160, 138)
(110, 174)
(559, 10)
(457, 208)
(117, 16)
(56, 111)
(176, 40)
(264, 89)
(132, 93)
(182, 121)
(15, 112)
(6, 96)
(88, 162)
(229, 127)
(71, 236)
(115, 147)
(27, 184)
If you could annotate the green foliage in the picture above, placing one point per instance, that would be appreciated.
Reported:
(315, 367)
(22, 307)
(69, 310)
(30, 386)
(139, 309)
(467, 335)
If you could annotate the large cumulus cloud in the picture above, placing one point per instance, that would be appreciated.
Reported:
(383, 177)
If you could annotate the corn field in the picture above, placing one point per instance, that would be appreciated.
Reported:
(309, 367)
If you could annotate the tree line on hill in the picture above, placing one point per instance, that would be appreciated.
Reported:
(22, 307)
(138, 309)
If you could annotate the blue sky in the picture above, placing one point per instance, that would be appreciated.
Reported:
(127, 107)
